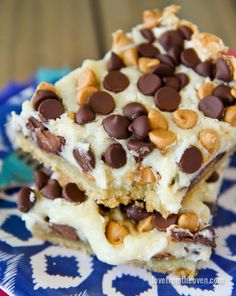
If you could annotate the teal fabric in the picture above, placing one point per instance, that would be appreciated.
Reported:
(50, 75)
(14, 170)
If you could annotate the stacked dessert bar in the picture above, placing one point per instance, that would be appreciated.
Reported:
(136, 143)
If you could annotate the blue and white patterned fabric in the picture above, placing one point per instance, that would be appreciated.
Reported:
(32, 267)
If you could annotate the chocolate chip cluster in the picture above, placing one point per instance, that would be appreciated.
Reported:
(186, 225)
(49, 188)
(158, 80)
(49, 106)
(161, 82)
(217, 102)
(44, 138)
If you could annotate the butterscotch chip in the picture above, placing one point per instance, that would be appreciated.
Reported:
(185, 118)
(120, 39)
(213, 44)
(188, 221)
(210, 139)
(162, 138)
(46, 86)
(157, 120)
(145, 224)
(233, 92)
(147, 176)
(89, 177)
(87, 78)
(205, 90)
(116, 232)
(130, 57)
(71, 115)
(146, 64)
(230, 115)
(151, 18)
(85, 93)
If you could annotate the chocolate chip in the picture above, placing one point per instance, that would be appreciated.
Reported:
(115, 63)
(163, 70)
(25, 199)
(167, 99)
(116, 126)
(214, 177)
(211, 107)
(40, 179)
(161, 223)
(166, 59)
(140, 148)
(42, 95)
(115, 156)
(47, 171)
(222, 70)
(191, 160)
(52, 190)
(212, 207)
(186, 32)
(178, 234)
(65, 231)
(84, 115)
(190, 58)
(171, 39)
(140, 127)
(162, 256)
(147, 34)
(202, 236)
(224, 93)
(33, 124)
(136, 213)
(49, 142)
(148, 84)
(175, 53)
(85, 159)
(134, 110)
(103, 210)
(183, 79)
(51, 109)
(205, 69)
(147, 50)
(72, 193)
(102, 103)
(172, 82)
(115, 81)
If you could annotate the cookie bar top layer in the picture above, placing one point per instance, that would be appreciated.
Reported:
(124, 234)
(153, 113)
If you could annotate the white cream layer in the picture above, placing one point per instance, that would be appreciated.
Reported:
(90, 226)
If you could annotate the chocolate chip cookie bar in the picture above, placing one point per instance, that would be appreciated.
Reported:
(62, 213)
(150, 121)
